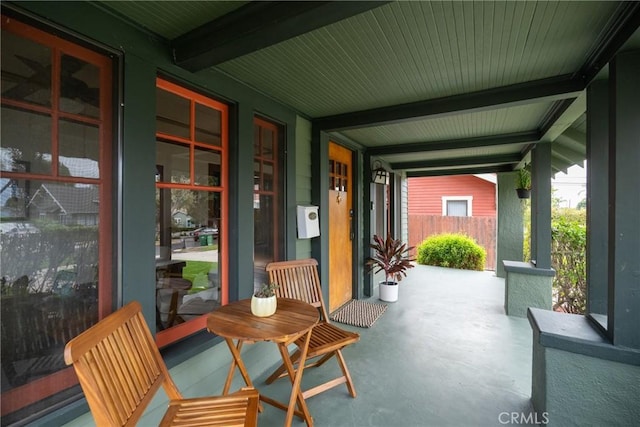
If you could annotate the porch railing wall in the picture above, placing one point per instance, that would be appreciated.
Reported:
(481, 229)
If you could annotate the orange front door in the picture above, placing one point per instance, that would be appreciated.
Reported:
(340, 226)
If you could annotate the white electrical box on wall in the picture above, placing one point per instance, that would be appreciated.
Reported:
(308, 222)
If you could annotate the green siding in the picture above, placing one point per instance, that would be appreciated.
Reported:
(303, 177)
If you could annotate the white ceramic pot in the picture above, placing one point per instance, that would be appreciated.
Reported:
(263, 307)
(388, 291)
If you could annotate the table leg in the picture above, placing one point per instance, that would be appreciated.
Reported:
(236, 361)
(296, 394)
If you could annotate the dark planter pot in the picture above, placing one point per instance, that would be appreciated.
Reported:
(523, 193)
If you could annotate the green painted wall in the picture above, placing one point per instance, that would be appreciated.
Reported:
(303, 178)
(522, 291)
(580, 390)
(510, 224)
(143, 58)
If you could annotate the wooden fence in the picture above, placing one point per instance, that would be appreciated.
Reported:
(481, 229)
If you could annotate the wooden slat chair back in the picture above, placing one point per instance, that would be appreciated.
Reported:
(120, 369)
(299, 279)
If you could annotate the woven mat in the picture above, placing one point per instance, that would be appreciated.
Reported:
(358, 313)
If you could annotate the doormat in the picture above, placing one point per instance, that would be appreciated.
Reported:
(358, 313)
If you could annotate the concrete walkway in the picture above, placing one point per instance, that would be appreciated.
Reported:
(445, 354)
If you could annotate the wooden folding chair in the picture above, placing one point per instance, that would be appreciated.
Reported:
(299, 279)
(120, 370)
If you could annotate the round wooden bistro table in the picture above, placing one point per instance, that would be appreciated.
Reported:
(292, 320)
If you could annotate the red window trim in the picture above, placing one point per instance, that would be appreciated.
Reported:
(175, 333)
(35, 391)
(261, 123)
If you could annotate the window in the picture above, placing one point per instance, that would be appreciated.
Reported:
(55, 232)
(267, 190)
(457, 205)
(191, 210)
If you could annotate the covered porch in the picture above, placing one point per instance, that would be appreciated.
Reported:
(444, 354)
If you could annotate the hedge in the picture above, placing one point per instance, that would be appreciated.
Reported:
(453, 251)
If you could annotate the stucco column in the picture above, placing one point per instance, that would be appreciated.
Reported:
(597, 195)
(510, 222)
(624, 201)
(541, 205)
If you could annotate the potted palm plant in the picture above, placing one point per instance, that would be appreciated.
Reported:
(264, 302)
(390, 256)
(523, 183)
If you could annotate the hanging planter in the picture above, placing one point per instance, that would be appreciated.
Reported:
(523, 183)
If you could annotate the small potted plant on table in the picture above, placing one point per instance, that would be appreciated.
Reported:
(390, 256)
(264, 302)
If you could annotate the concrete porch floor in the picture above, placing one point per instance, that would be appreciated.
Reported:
(445, 354)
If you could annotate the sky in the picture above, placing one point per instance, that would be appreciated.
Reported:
(570, 187)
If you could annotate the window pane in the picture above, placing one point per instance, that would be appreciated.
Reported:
(26, 141)
(79, 149)
(207, 167)
(79, 87)
(208, 128)
(263, 230)
(172, 114)
(256, 176)
(187, 255)
(173, 160)
(268, 241)
(267, 176)
(256, 139)
(456, 208)
(49, 275)
(26, 70)
(267, 143)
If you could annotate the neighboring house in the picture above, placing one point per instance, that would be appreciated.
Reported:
(68, 204)
(182, 219)
(454, 204)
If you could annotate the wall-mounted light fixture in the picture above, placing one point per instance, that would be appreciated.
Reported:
(379, 175)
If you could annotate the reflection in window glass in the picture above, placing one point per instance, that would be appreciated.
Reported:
(267, 143)
(26, 141)
(187, 255)
(173, 157)
(190, 266)
(49, 284)
(79, 87)
(172, 114)
(207, 167)
(267, 223)
(79, 149)
(26, 70)
(208, 125)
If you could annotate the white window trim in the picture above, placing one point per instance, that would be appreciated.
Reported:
(468, 199)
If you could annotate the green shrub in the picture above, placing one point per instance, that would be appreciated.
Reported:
(453, 251)
(568, 258)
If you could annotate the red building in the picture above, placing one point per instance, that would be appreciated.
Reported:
(453, 195)
(454, 204)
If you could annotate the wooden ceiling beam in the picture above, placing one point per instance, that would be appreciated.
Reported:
(458, 161)
(460, 171)
(258, 25)
(544, 90)
(452, 144)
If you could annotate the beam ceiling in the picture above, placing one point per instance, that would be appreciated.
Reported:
(460, 161)
(483, 141)
(555, 88)
(258, 25)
